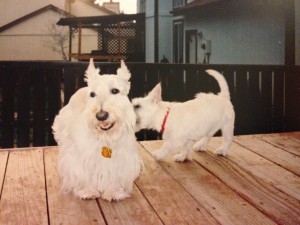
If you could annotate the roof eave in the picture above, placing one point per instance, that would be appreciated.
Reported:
(193, 6)
(76, 21)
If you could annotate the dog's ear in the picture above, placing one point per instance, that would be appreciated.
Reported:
(91, 71)
(123, 71)
(155, 93)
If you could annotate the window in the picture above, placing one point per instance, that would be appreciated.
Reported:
(178, 3)
(178, 41)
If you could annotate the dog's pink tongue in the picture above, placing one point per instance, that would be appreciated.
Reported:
(104, 124)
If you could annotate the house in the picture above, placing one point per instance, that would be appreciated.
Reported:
(222, 31)
(29, 31)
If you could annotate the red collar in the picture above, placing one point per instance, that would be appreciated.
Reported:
(164, 122)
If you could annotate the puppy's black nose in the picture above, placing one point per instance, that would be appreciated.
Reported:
(102, 115)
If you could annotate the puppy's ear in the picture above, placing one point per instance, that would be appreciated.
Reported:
(123, 71)
(91, 71)
(155, 93)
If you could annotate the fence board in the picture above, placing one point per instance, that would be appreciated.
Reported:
(192, 82)
(137, 77)
(151, 77)
(54, 100)
(39, 107)
(292, 99)
(278, 101)
(254, 119)
(266, 101)
(240, 103)
(8, 96)
(23, 107)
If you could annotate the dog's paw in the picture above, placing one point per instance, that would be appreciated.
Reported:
(200, 146)
(181, 157)
(221, 151)
(88, 194)
(159, 155)
(115, 195)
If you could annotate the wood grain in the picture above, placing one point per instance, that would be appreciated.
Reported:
(133, 210)
(278, 206)
(275, 154)
(3, 163)
(286, 142)
(23, 200)
(170, 200)
(262, 168)
(219, 200)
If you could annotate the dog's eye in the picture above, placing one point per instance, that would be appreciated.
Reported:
(92, 94)
(137, 106)
(115, 91)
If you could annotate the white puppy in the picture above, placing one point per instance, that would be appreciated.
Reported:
(95, 133)
(181, 124)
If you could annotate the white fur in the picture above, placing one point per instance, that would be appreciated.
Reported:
(83, 169)
(195, 120)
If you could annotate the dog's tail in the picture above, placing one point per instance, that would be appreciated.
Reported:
(222, 82)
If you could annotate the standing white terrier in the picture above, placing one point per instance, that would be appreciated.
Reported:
(95, 133)
(181, 124)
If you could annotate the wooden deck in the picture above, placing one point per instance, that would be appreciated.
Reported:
(258, 183)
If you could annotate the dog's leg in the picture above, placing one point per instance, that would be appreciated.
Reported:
(186, 152)
(201, 145)
(227, 132)
(162, 153)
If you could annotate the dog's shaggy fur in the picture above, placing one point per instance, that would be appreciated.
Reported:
(184, 123)
(95, 133)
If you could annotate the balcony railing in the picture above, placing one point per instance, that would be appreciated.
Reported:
(265, 98)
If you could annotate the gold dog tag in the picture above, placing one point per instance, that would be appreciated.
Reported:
(106, 152)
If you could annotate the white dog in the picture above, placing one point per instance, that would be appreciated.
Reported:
(181, 124)
(95, 133)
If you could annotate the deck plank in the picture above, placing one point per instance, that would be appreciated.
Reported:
(222, 202)
(280, 207)
(269, 172)
(3, 162)
(65, 208)
(133, 210)
(277, 155)
(23, 200)
(288, 142)
(295, 135)
(171, 201)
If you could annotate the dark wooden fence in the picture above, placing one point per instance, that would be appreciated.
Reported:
(266, 98)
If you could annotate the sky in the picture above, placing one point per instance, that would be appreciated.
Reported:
(126, 6)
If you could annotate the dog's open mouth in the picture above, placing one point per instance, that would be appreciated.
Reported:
(106, 125)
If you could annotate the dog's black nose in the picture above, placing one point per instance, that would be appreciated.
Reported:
(102, 115)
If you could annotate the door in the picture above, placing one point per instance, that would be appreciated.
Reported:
(191, 45)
